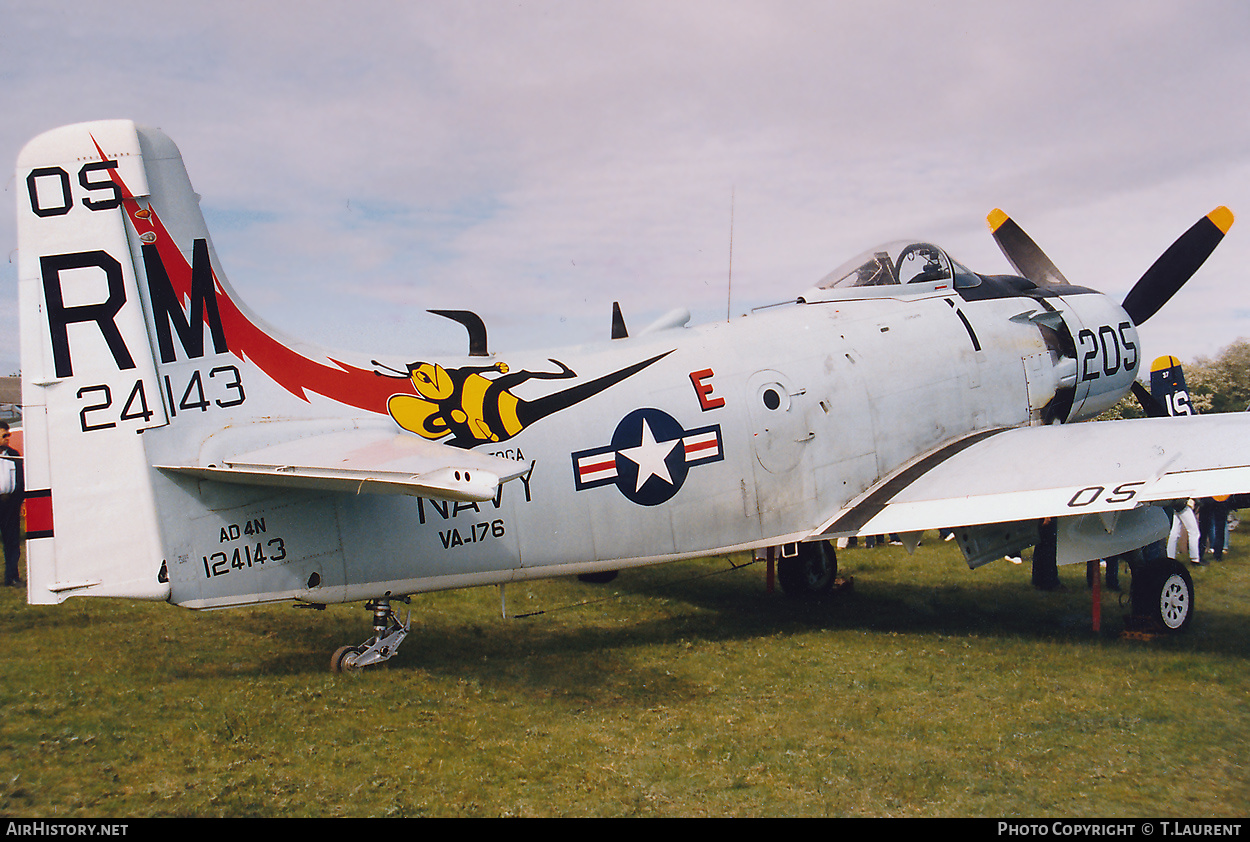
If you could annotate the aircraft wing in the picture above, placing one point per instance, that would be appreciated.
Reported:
(362, 461)
(1025, 473)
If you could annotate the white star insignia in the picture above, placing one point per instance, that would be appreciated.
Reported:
(649, 456)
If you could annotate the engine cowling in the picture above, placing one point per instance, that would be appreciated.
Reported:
(1098, 355)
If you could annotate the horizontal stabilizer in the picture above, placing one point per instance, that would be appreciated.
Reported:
(365, 462)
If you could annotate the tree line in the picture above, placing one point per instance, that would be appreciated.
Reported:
(1215, 384)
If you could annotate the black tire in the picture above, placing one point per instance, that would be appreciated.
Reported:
(1163, 595)
(811, 572)
(340, 662)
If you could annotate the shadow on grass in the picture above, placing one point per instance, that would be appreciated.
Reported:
(648, 610)
(587, 636)
(986, 607)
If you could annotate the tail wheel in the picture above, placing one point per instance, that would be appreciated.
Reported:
(1165, 595)
(810, 572)
(344, 659)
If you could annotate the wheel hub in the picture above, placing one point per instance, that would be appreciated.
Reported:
(1174, 602)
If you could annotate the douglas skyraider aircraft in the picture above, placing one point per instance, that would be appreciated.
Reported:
(178, 449)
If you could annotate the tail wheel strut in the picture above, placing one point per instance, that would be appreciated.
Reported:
(388, 633)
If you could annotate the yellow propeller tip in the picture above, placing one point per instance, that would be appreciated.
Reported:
(1222, 217)
(996, 218)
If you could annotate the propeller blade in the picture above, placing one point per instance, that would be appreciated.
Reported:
(1177, 265)
(1149, 404)
(1021, 252)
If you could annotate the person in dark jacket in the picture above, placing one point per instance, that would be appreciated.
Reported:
(12, 489)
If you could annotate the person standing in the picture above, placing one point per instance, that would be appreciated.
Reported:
(1184, 520)
(1094, 568)
(12, 490)
(1213, 526)
(1045, 564)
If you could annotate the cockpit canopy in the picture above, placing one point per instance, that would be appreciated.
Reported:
(894, 264)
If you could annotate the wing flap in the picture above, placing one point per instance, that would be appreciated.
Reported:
(1024, 473)
(364, 462)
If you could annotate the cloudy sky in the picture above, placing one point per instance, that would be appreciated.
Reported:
(361, 162)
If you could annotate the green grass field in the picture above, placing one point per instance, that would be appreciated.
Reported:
(924, 689)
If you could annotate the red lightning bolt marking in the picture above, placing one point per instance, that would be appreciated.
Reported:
(296, 373)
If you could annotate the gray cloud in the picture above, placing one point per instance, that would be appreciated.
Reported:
(361, 162)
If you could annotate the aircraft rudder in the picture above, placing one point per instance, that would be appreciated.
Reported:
(89, 380)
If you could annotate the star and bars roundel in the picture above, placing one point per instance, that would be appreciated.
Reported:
(649, 457)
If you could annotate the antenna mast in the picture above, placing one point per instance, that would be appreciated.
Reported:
(729, 291)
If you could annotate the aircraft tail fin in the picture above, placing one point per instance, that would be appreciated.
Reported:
(1167, 386)
(89, 379)
(136, 354)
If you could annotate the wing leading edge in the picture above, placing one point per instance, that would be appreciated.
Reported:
(1027, 473)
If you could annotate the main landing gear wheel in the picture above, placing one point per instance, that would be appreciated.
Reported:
(388, 633)
(1163, 594)
(810, 571)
